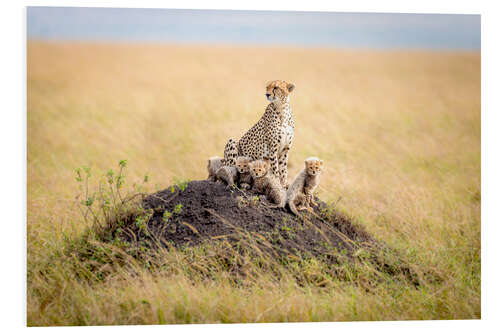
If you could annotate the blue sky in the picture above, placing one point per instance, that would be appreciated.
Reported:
(331, 29)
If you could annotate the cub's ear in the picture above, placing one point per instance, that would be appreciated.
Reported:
(321, 162)
(290, 87)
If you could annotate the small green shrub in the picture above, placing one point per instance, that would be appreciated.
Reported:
(181, 184)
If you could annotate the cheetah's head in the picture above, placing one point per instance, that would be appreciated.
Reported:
(314, 166)
(278, 91)
(259, 168)
(242, 164)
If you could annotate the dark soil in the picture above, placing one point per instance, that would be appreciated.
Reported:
(206, 210)
(202, 212)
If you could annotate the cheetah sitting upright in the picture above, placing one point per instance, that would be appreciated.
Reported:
(271, 136)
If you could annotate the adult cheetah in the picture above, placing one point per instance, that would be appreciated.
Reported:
(271, 136)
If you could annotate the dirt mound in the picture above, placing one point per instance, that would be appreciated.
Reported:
(239, 233)
(203, 210)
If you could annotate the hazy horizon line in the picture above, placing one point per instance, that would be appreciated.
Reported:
(249, 45)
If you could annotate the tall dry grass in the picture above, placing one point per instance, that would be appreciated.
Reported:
(399, 132)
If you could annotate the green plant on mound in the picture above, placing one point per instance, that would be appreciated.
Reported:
(110, 211)
(108, 207)
(180, 184)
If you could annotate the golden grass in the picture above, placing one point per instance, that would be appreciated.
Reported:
(399, 132)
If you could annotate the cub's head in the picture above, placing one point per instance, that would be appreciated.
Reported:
(279, 91)
(314, 166)
(259, 168)
(242, 164)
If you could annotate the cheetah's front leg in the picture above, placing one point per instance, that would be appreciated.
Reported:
(283, 168)
(273, 153)
(274, 164)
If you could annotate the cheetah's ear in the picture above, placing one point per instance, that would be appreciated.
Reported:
(290, 87)
(321, 162)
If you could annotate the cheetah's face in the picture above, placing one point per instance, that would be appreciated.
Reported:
(278, 91)
(242, 164)
(258, 168)
(314, 167)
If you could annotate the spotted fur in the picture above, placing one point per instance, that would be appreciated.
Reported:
(271, 136)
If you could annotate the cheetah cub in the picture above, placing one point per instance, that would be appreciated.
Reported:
(239, 173)
(303, 186)
(265, 182)
(227, 174)
(242, 166)
(214, 164)
(218, 172)
(230, 175)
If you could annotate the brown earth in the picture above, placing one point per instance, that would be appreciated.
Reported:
(206, 210)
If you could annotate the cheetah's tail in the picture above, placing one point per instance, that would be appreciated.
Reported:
(230, 152)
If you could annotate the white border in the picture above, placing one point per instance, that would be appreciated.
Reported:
(13, 131)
